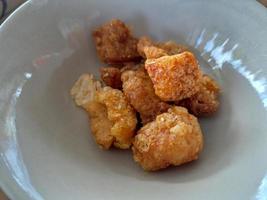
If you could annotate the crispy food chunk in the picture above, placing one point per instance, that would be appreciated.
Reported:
(111, 76)
(149, 49)
(174, 77)
(138, 88)
(115, 43)
(205, 102)
(100, 124)
(172, 48)
(154, 52)
(120, 113)
(84, 89)
(144, 42)
(113, 120)
(173, 138)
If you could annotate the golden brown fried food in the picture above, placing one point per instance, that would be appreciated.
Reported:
(100, 124)
(111, 76)
(154, 52)
(131, 66)
(115, 43)
(120, 113)
(113, 120)
(142, 43)
(172, 48)
(173, 138)
(174, 77)
(205, 102)
(138, 88)
(84, 89)
(149, 49)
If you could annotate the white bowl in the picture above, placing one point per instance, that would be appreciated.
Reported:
(46, 151)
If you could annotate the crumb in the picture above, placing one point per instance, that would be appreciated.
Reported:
(174, 138)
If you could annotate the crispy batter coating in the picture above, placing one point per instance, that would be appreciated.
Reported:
(149, 49)
(113, 120)
(115, 43)
(138, 88)
(142, 43)
(173, 138)
(111, 76)
(121, 114)
(132, 66)
(172, 48)
(100, 124)
(205, 102)
(84, 89)
(154, 52)
(174, 77)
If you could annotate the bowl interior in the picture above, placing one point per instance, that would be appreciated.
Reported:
(46, 150)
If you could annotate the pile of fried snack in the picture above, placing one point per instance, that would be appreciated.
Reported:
(148, 99)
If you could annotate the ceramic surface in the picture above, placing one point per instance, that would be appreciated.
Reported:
(46, 151)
